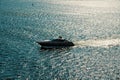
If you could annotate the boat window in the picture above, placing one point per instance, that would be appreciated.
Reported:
(60, 40)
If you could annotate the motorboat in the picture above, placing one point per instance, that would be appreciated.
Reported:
(55, 43)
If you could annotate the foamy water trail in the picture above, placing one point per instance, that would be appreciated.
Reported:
(98, 43)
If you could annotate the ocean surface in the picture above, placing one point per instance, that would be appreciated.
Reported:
(93, 26)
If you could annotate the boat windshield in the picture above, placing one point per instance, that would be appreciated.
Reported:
(59, 40)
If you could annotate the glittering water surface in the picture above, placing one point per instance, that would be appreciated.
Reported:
(94, 27)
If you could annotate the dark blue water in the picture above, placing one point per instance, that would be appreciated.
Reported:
(94, 26)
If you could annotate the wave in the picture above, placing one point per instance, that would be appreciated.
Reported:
(98, 43)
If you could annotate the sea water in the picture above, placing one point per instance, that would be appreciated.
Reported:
(93, 25)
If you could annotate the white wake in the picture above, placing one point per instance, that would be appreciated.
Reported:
(98, 43)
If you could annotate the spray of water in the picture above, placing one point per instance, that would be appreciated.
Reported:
(98, 43)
